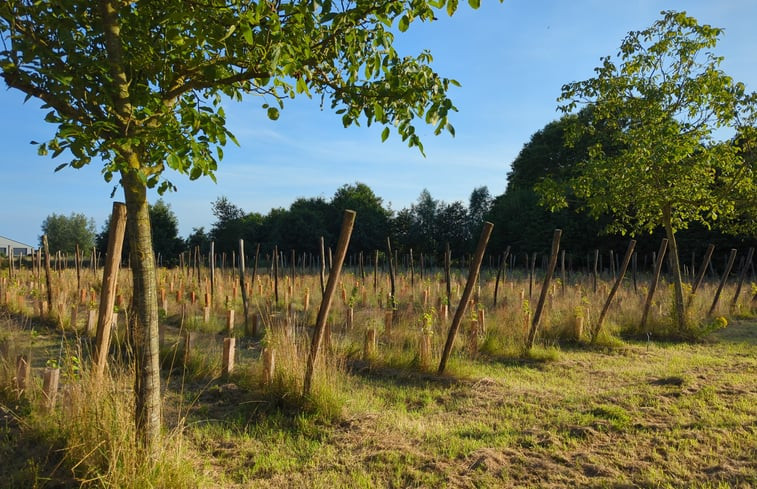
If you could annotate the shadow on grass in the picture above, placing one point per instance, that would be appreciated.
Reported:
(410, 376)
(739, 331)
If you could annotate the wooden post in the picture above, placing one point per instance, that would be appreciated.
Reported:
(78, 267)
(73, 316)
(482, 320)
(702, 270)
(48, 274)
(212, 260)
(475, 265)
(92, 323)
(412, 270)
(653, 285)
(50, 379)
(544, 288)
(369, 346)
(474, 333)
(10, 261)
(595, 270)
(228, 356)
(500, 272)
(392, 265)
(742, 276)
(243, 287)
(723, 280)
(188, 343)
(616, 285)
(269, 365)
(230, 321)
(348, 222)
(276, 274)
(23, 369)
(425, 349)
(375, 270)
(634, 261)
(388, 319)
(109, 283)
(447, 266)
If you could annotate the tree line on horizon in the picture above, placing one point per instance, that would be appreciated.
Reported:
(427, 226)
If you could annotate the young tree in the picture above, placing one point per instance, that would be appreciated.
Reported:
(140, 86)
(65, 232)
(666, 101)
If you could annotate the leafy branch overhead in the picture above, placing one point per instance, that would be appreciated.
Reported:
(182, 59)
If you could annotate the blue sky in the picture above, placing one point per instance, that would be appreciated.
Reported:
(510, 58)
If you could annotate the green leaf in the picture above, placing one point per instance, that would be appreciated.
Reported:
(474, 3)
(451, 7)
(302, 85)
(384, 134)
(404, 23)
(60, 167)
(273, 113)
(246, 31)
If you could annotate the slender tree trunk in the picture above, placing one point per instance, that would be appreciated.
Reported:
(144, 316)
(680, 306)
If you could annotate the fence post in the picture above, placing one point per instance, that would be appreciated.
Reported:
(475, 265)
(110, 281)
(348, 222)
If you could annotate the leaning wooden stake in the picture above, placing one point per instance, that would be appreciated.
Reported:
(243, 287)
(653, 285)
(742, 276)
(723, 280)
(48, 274)
(500, 272)
(700, 275)
(544, 288)
(618, 280)
(392, 264)
(475, 265)
(348, 221)
(108, 291)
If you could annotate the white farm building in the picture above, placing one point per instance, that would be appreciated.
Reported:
(17, 247)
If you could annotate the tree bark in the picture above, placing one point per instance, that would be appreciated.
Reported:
(680, 306)
(144, 317)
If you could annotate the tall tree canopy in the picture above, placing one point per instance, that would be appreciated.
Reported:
(372, 228)
(140, 86)
(65, 232)
(666, 101)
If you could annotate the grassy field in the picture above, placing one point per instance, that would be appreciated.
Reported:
(626, 412)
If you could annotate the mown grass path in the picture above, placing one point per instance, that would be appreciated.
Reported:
(639, 415)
